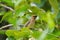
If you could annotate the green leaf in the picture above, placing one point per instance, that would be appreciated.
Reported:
(10, 33)
(22, 7)
(36, 34)
(54, 4)
(9, 2)
(50, 21)
(6, 16)
(25, 32)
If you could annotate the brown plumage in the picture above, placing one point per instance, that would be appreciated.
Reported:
(31, 22)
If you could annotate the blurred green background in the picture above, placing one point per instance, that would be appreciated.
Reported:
(18, 12)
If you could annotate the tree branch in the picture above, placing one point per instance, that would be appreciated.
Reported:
(5, 26)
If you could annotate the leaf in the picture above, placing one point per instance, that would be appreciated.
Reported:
(12, 20)
(36, 34)
(54, 4)
(22, 7)
(6, 16)
(25, 32)
(9, 33)
(9, 2)
(50, 21)
(13, 33)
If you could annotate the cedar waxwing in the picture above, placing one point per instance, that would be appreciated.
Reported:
(31, 22)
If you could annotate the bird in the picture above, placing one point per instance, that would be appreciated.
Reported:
(30, 23)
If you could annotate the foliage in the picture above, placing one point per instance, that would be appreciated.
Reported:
(18, 12)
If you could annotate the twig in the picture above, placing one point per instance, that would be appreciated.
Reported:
(5, 26)
(7, 7)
